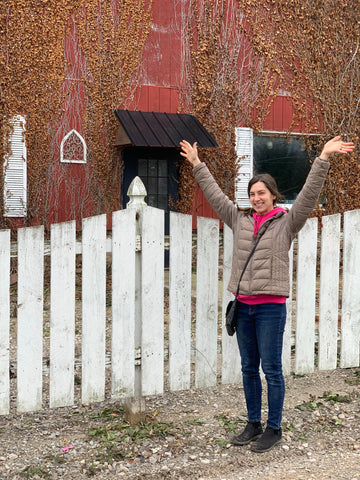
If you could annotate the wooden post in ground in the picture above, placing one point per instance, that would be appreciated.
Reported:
(135, 407)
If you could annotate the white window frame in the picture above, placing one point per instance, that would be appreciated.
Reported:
(66, 160)
(15, 171)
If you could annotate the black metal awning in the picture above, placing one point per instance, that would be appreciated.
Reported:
(153, 129)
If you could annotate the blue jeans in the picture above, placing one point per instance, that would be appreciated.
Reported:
(259, 331)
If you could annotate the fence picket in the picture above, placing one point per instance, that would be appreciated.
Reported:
(180, 301)
(62, 314)
(287, 342)
(231, 361)
(305, 298)
(152, 343)
(123, 304)
(4, 322)
(93, 308)
(329, 292)
(350, 314)
(206, 302)
(30, 318)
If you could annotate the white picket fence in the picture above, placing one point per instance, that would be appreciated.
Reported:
(143, 360)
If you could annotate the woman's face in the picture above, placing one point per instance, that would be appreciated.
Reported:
(261, 199)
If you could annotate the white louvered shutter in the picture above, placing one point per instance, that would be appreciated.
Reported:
(244, 151)
(15, 171)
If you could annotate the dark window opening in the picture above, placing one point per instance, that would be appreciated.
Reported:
(154, 174)
(286, 159)
(158, 169)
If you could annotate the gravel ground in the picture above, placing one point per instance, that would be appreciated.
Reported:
(185, 436)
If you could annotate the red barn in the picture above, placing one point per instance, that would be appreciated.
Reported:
(145, 143)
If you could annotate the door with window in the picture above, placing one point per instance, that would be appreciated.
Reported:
(158, 169)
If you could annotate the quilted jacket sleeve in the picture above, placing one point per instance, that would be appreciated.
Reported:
(223, 206)
(308, 197)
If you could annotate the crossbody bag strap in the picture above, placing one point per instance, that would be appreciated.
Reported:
(247, 261)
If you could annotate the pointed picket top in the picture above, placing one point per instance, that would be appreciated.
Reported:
(137, 193)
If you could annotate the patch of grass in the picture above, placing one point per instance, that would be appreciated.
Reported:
(311, 405)
(222, 443)
(194, 421)
(355, 380)
(111, 452)
(230, 425)
(333, 398)
(58, 459)
(117, 438)
(31, 470)
(303, 436)
(108, 413)
(299, 375)
(123, 432)
(288, 426)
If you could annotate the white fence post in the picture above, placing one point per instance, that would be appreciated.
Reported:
(329, 292)
(93, 308)
(286, 355)
(4, 322)
(135, 406)
(305, 297)
(123, 304)
(30, 318)
(207, 289)
(231, 360)
(62, 314)
(180, 301)
(152, 296)
(350, 314)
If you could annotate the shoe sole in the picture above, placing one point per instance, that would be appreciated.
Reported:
(241, 444)
(263, 450)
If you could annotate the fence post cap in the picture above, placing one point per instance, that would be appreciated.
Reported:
(137, 193)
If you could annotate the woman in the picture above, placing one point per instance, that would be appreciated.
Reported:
(265, 284)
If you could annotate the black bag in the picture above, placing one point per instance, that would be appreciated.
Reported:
(231, 315)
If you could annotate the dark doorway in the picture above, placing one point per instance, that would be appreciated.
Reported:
(158, 169)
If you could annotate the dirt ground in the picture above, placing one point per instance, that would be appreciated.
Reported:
(185, 436)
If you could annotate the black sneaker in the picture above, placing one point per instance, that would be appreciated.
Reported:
(267, 441)
(251, 432)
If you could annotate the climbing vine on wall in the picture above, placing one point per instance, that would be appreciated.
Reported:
(112, 38)
(32, 71)
(225, 83)
(40, 80)
(313, 50)
(234, 70)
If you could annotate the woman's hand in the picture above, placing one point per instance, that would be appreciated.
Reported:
(336, 145)
(190, 152)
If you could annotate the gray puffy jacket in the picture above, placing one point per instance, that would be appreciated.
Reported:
(268, 270)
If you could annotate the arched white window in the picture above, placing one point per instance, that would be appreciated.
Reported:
(73, 148)
(15, 171)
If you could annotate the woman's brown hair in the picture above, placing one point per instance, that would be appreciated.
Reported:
(269, 183)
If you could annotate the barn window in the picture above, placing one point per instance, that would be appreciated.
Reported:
(15, 170)
(73, 148)
(285, 157)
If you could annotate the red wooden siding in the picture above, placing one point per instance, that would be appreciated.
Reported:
(157, 89)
